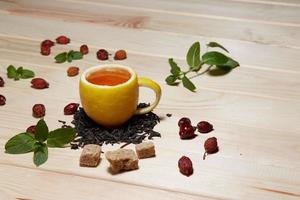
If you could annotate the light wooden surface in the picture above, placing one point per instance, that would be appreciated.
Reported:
(255, 109)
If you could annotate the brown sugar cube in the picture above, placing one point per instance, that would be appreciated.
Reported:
(122, 160)
(145, 150)
(90, 155)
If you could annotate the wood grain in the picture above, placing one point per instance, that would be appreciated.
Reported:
(263, 33)
(72, 186)
(255, 109)
(270, 57)
(220, 9)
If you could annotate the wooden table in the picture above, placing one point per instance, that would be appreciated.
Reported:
(255, 109)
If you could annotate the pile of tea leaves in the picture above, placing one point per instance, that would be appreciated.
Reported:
(135, 130)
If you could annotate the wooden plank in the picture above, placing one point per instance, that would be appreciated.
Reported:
(227, 10)
(269, 34)
(230, 108)
(242, 174)
(223, 106)
(143, 42)
(44, 184)
(269, 84)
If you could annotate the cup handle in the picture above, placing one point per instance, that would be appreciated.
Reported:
(146, 82)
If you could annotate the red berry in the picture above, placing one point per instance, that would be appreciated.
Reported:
(39, 83)
(84, 49)
(2, 100)
(102, 54)
(120, 55)
(184, 121)
(186, 132)
(185, 166)
(62, 40)
(38, 110)
(71, 108)
(204, 127)
(211, 145)
(45, 50)
(73, 71)
(47, 43)
(31, 129)
(1, 82)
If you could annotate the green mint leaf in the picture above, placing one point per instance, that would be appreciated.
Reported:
(12, 72)
(171, 80)
(70, 56)
(230, 64)
(19, 70)
(61, 58)
(175, 70)
(42, 131)
(21, 143)
(188, 84)
(215, 44)
(60, 137)
(40, 154)
(193, 55)
(76, 55)
(219, 71)
(214, 58)
(26, 73)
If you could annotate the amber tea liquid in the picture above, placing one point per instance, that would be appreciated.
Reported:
(109, 77)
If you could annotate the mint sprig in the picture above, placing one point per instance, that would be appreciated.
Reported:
(19, 144)
(19, 73)
(217, 63)
(68, 56)
(40, 141)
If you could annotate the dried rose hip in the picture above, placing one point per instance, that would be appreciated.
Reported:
(31, 129)
(62, 40)
(39, 83)
(210, 146)
(2, 100)
(1, 82)
(186, 132)
(73, 71)
(185, 166)
(45, 50)
(38, 110)
(102, 54)
(47, 43)
(204, 127)
(120, 55)
(184, 121)
(84, 49)
(71, 108)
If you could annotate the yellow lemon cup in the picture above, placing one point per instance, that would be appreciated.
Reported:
(111, 106)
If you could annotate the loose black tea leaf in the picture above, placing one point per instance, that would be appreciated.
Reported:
(137, 129)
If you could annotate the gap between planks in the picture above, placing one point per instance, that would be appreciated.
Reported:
(268, 2)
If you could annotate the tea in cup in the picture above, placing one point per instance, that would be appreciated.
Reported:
(109, 94)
